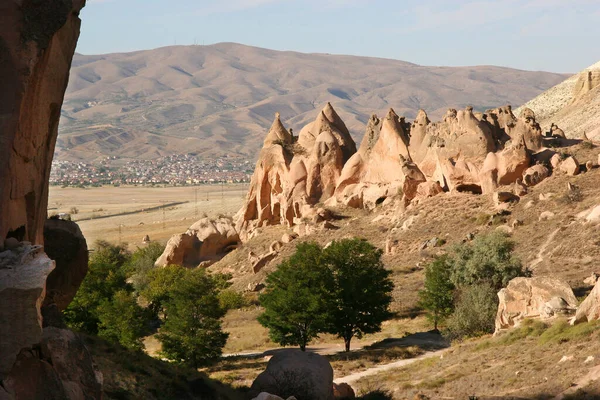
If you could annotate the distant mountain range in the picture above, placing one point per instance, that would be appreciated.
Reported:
(220, 99)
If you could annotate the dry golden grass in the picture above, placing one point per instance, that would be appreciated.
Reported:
(108, 201)
(524, 363)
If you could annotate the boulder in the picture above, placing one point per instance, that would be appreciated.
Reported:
(569, 166)
(534, 175)
(589, 309)
(537, 297)
(343, 391)
(292, 372)
(592, 279)
(268, 396)
(205, 240)
(505, 197)
(288, 237)
(64, 243)
(23, 275)
(275, 246)
(546, 216)
(262, 261)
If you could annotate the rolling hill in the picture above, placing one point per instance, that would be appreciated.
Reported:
(220, 99)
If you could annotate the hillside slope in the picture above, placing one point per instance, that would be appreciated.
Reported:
(220, 99)
(574, 105)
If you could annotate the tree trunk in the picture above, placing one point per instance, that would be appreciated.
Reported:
(303, 346)
(347, 343)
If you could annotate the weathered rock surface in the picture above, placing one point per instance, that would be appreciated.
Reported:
(537, 297)
(23, 274)
(534, 175)
(343, 391)
(64, 243)
(206, 240)
(36, 58)
(296, 373)
(589, 309)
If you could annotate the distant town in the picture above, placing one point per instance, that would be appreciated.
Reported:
(174, 170)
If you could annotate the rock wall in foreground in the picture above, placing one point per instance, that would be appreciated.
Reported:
(37, 43)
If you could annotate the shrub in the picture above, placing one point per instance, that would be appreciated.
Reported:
(475, 312)
(141, 263)
(232, 300)
(489, 258)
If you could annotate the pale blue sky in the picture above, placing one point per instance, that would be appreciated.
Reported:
(550, 35)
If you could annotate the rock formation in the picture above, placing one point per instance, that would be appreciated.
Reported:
(538, 297)
(292, 372)
(589, 309)
(64, 243)
(466, 152)
(290, 177)
(206, 241)
(37, 43)
(37, 360)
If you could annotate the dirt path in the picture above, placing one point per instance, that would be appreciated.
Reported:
(386, 367)
(542, 252)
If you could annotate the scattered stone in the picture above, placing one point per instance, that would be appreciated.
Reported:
(433, 242)
(569, 166)
(505, 229)
(546, 216)
(538, 297)
(546, 196)
(146, 239)
(590, 215)
(262, 262)
(534, 175)
(529, 204)
(589, 166)
(565, 359)
(255, 287)
(555, 161)
(291, 371)
(343, 391)
(516, 222)
(589, 359)
(505, 197)
(275, 247)
(519, 189)
(287, 237)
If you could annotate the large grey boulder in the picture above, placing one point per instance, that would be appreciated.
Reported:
(306, 376)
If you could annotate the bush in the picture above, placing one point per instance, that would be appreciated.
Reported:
(232, 300)
(141, 264)
(106, 276)
(475, 312)
(489, 258)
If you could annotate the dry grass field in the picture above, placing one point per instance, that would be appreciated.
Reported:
(157, 212)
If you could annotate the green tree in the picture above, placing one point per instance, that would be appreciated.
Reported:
(161, 284)
(438, 295)
(192, 331)
(122, 320)
(489, 258)
(360, 290)
(141, 263)
(105, 277)
(295, 299)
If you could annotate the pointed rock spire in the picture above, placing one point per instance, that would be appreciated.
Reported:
(277, 132)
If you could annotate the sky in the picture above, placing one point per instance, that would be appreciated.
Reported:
(547, 35)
